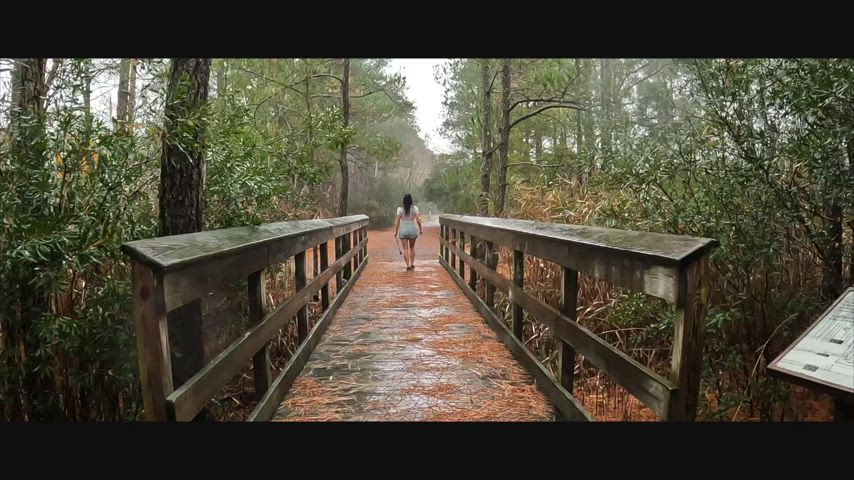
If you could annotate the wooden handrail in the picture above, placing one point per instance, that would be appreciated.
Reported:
(666, 266)
(169, 272)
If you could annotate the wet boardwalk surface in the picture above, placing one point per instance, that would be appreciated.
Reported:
(409, 346)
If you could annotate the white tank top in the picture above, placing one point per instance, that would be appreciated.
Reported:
(413, 211)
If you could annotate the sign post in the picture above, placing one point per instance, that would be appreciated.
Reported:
(822, 358)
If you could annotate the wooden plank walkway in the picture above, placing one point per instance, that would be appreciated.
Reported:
(409, 346)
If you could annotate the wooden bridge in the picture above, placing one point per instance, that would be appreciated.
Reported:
(427, 344)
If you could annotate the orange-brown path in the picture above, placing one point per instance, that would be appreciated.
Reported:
(409, 346)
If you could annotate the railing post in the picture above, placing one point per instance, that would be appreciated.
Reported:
(367, 240)
(687, 358)
(453, 241)
(491, 260)
(299, 283)
(345, 248)
(441, 245)
(474, 254)
(324, 264)
(339, 276)
(315, 264)
(356, 261)
(462, 248)
(257, 294)
(568, 306)
(447, 250)
(152, 341)
(518, 280)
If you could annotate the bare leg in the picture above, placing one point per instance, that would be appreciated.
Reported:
(405, 252)
(412, 252)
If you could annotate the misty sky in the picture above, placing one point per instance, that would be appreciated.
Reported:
(423, 90)
(427, 96)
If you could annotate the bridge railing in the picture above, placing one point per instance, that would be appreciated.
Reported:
(670, 267)
(171, 272)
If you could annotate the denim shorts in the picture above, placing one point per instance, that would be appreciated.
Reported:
(408, 230)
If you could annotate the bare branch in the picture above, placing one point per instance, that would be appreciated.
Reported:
(543, 109)
(533, 165)
(544, 100)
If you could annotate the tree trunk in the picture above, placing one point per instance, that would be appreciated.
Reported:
(131, 93)
(605, 100)
(87, 111)
(124, 94)
(30, 391)
(220, 79)
(579, 124)
(504, 145)
(181, 205)
(486, 139)
(87, 89)
(342, 157)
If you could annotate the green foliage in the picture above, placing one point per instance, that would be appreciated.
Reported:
(63, 224)
(755, 153)
(453, 186)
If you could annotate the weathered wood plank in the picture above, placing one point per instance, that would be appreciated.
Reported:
(652, 248)
(186, 285)
(189, 283)
(491, 276)
(567, 405)
(268, 405)
(462, 246)
(339, 252)
(299, 284)
(491, 261)
(568, 307)
(345, 248)
(518, 280)
(261, 365)
(657, 276)
(189, 398)
(324, 264)
(687, 357)
(152, 341)
(453, 241)
(473, 251)
(164, 254)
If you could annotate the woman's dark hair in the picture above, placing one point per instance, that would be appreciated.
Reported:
(407, 203)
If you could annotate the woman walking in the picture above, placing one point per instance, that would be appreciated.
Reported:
(407, 216)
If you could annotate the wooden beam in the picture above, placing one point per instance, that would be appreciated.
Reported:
(453, 242)
(261, 365)
(345, 249)
(491, 260)
(339, 252)
(518, 280)
(324, 264)
(473, 251)
(619, 269)
(687, 357)
(152, 341)
(569, 303)
(281, 240)
(462, 246)
(299, 283)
